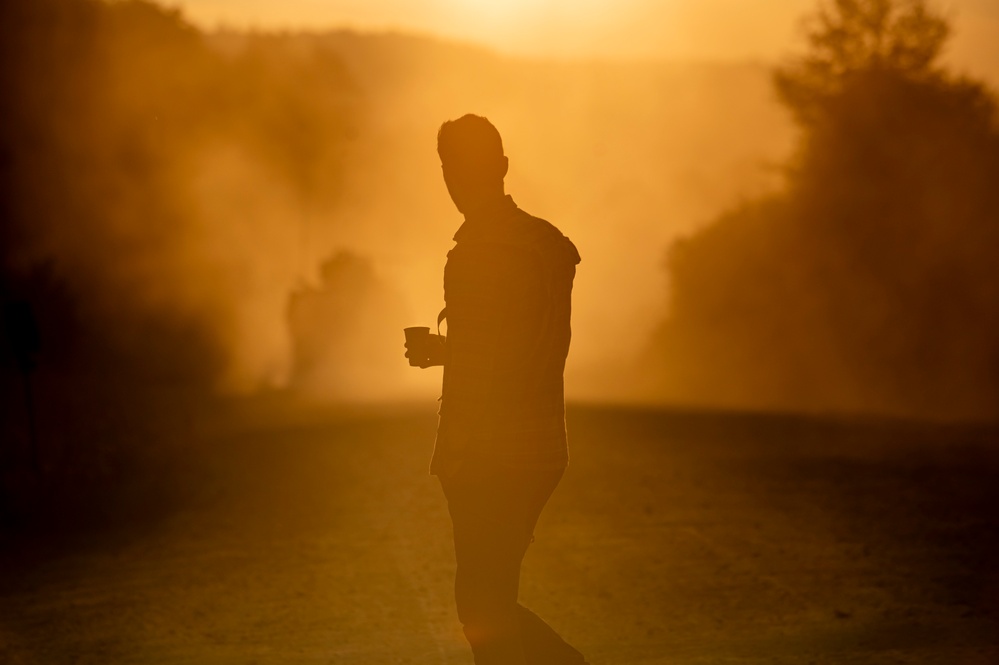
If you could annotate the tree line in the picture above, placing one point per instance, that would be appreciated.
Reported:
(868, 283)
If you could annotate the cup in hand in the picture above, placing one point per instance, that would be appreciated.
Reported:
(417, 345)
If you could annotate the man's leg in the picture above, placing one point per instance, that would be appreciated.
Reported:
(489, 543)
(541, 644)
(494, 512)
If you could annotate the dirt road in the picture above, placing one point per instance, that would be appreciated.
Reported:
(674, 538)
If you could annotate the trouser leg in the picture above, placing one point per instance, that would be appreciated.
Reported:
(494, 512)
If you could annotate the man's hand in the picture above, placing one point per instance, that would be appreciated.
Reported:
(429, 353)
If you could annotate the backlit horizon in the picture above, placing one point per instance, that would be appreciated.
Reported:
(710, 30)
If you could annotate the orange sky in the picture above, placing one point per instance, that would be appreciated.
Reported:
(698, 29)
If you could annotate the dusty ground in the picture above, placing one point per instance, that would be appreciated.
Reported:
(674, 538)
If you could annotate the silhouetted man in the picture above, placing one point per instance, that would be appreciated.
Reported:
(501, 439)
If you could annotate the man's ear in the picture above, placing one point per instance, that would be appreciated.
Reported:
(505, 167)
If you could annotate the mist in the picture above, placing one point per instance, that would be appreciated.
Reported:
(248, 211)
(622, 157)
(207, 178)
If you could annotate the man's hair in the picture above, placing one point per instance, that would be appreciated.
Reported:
(470, 139)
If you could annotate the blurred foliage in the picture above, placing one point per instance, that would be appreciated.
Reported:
(107, 112)
(869, 284)
(106, 107)
(344, 331)
(848, 38)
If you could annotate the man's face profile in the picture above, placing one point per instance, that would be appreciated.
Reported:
(471, 182)
(472, 161)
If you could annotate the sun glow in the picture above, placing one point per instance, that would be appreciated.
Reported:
(564, 9)
(674, 29)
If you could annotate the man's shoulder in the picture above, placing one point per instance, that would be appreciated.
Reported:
(543, 236)
(534, 225)
(509, 230)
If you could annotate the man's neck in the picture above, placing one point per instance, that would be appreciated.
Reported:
(485, 206)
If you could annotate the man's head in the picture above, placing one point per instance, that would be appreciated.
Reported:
(472, 161)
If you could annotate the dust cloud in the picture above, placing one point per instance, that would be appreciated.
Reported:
(206, 183)
(223, 170)
(248, 211)
(622, 157)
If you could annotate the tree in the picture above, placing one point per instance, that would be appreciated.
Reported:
(850, 37)
(868, 283)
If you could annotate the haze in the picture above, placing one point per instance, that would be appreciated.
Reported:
(279, 193)
(673, 29)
